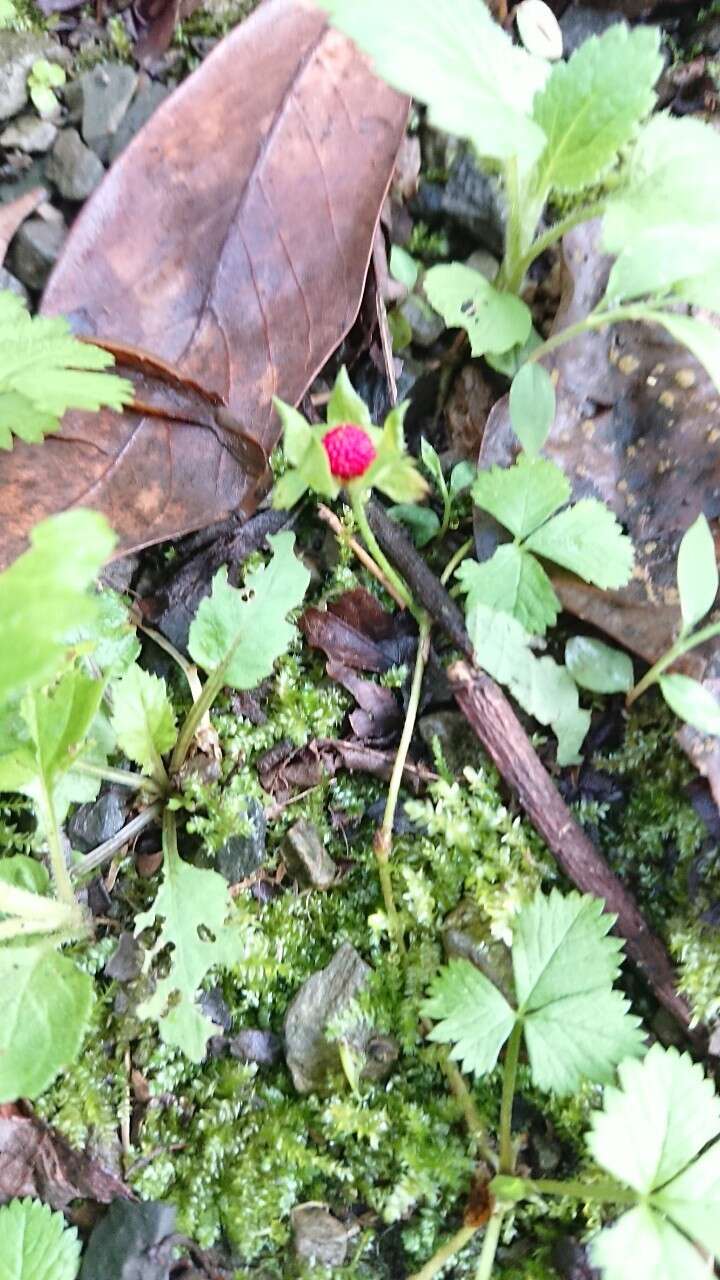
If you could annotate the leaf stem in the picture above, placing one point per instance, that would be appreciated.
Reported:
(555, 233)
(456, 559)
(490, 1244)
(210, 691)
(58, 865)
(445, 1253)
(109, 848)
(509, 277)
(681, 646)
(371, 542)
(344, 536)
(596, 320)
(119, 777)
(512, 1054)
(596, 1192)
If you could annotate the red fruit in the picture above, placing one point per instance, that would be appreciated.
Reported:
(350, 451)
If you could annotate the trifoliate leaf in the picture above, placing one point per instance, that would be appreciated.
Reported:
(657, 1250)
(193, 905)
(659, 1118)
(532, 406)
(544, 689)
(521, 497)
(576, 1026)
(45, 1004)
(44, 371)
(458, 61)
(36, 1244)
(692, 702)
(242, 633)
(692, 1200)
(143, 718)
(393, 471)
(471, 1014)
(698, 336)
(592, 104)
(587, 540)
(673, 180)
(465, 299)
(44, 596)
(597, 666)
(697, 573)
(345, 405)
(515, 583)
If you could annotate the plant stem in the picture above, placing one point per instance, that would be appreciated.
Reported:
(681, 646)
(508, 278)
(60, 873)
(363, 556)
(210, 691)
(596, 320)
(597, 1192)
(358, 509)
(188, 669)
(555, 233)
(512, 1053)
(459, 1087)
(382, 844)
(119, 777)
(455, 560)
(109, 848)
(490, 1244)
(445, 1253)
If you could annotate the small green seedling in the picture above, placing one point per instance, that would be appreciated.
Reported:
(577, 133)
(422, 522)
(656, 1135)
(44, 78)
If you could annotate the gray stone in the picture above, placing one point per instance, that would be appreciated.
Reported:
(311, 1058)
(30, 134)
(254, 1045)
(470, 200)
(425, 324)
(12, 284)
(18, 51)
(579, 22)
(91, 824)
(305, 858)
(319, 1238)
(144, 104)
(106, 94)
(126, 961)
(73, 167)
(242, 855)
(35, 251)
(458, 743)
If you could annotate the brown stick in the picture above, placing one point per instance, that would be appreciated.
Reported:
(506, 742)
(503, 737)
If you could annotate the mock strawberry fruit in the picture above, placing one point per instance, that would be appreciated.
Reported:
(350, 451)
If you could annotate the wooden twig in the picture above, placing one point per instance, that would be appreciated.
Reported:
(493, 720)
(358, 550)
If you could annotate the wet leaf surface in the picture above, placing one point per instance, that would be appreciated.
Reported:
(36, 1161)
(231, 242)
(637, 426)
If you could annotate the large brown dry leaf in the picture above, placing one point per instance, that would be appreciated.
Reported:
(231, 240)
(36, 1161)
(638, 426)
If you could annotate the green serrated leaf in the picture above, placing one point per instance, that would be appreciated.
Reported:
(597, 666)
(45, 371)
(36, 1244)
(143, 718)
(532, 407)
(244, 632)
(471, 1014)
(673, 180)
(576, 1026)
(683, 260)
(544, 689)
(692, 702)
(592, 104)
(657, 1250)
(458, 61)
(587, 540)
(44, 596)
(461, 477)
(515, 583)
(345, 405)
(465, 299)
(50, 735)
(393, 472)
(692, 1200)
(111, 637)
(659, 1118)
(25, 873)
(697, 573)
(303, 449)
(523, 496)
(194, 905)
(45, 1005)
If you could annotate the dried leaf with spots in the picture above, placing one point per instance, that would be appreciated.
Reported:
(230, 240)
